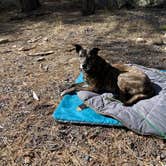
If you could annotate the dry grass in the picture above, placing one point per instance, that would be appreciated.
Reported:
(28, 133)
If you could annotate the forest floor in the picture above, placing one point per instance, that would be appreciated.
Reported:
(28, 133)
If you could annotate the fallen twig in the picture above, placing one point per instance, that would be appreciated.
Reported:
(41, 53)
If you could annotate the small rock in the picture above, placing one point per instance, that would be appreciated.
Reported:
(3, 41)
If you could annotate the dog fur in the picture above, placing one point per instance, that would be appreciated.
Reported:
(127, 83)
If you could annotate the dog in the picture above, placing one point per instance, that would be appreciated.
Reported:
(127, 83)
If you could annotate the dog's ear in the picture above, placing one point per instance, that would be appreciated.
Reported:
(94, 51)
(78, 47)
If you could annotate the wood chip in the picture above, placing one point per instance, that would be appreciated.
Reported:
(2, 41)
(35, 96)
(40, 59)
(41, 53)
(1, 127)
(45, 68)
(25, 48)
(6, 51)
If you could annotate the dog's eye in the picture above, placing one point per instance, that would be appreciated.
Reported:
(82, 53)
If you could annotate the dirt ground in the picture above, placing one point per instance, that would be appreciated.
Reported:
(28, 133)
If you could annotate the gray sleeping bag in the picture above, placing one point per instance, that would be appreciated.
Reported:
(146, 117)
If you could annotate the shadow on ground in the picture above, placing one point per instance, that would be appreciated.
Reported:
(123, 51)
(69, 12)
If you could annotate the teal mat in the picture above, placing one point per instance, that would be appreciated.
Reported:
(67, 111)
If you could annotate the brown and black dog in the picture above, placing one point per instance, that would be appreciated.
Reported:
(127, 83)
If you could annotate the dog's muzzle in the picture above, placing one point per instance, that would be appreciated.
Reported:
(87, 70)
(85, 67)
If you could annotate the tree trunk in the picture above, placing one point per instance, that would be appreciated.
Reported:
(88, 7)
(29, 5)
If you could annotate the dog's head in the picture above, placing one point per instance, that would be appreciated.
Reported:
(89, 59)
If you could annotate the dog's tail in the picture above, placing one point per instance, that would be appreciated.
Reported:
(136, 98)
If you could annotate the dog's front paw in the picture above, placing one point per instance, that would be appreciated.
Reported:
(67, 91)
(64, 93)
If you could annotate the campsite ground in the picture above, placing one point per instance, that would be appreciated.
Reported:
(28, 133)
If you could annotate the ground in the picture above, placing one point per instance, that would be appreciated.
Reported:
(28, 133)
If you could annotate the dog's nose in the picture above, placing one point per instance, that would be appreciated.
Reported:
(84, 66)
